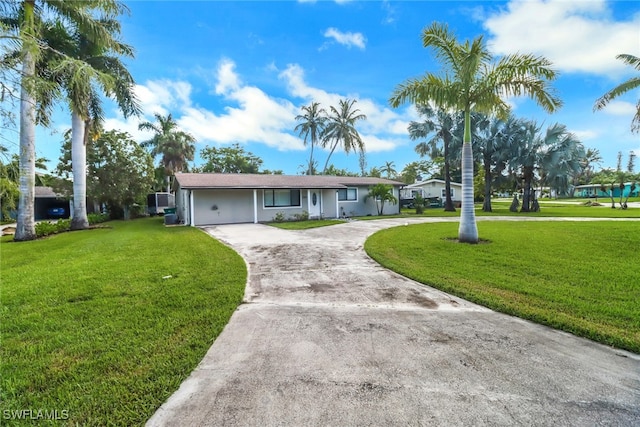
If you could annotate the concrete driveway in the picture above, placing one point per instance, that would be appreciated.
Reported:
(327, 337)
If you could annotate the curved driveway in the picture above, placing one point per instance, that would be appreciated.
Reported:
(327, 337)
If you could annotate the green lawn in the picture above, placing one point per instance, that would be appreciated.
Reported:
(582, 277)
(547, 209)
(107, 323)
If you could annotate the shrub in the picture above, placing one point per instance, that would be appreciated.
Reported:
(418, 203)
(46, 228)
(279, 217)
(304, 216)
(97, 218)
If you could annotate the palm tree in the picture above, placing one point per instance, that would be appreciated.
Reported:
(561, 162)
(624, 87)
(311, 127)
(381, 193)
(79, 15)
(103, 69)
(389, 169)
(341, 129)
(175, 146)
(474, 82)
(443, 124)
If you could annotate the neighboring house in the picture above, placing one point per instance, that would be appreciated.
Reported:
(210, 198)
(595, 190)
(432, 188)
(50, 205)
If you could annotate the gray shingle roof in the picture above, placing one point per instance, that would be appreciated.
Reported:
(232, 180)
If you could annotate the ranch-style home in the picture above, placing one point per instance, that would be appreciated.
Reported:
(211, 198)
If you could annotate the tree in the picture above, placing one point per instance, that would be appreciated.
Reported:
(561, 163)
(232, 159)
(119, 172)
(592, 157)
(28, 14)
(622, 88)
(341, 129)
(312, 125)
(381, 193)
(441, 124)
(389, 169)
(105, 69)
(413, 170)
(174, 146)
(472, 81)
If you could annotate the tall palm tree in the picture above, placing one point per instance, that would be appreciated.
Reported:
(103, 69)
(341, 129)
(312, 125)
(442, 125)
(624, 87)
(389, 169)
(174, 146)
(472, 81)
(29, 15)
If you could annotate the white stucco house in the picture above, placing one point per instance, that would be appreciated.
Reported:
(432, 188)
(210, 198)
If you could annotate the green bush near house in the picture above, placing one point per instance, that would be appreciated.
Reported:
(106, 323)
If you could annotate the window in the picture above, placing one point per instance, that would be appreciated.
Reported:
(281, 198)
(350, 194)
(443, 193)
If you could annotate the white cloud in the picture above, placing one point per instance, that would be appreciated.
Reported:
(160, 96)
(347, 39)
(227, 79)
(577, 36)
(620, 108)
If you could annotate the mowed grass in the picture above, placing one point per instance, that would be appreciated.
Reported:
(547, 209)
(581, 277)
(107, 323)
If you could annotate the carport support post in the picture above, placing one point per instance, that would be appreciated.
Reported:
(255, 206)
(337, 207)
(308, 200)
(192, 212)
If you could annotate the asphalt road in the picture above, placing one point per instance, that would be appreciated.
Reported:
(327, 337)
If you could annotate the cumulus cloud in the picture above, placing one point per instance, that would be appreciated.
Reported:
(620, 108)
(577, 36)
(347, 39)
(254, 116)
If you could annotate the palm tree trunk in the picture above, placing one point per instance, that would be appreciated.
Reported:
(448, 203)
(326, 164)
(486, 205)
(526, 190)
(25, 228)
(310, 168)
(79, 168)
(468, 229)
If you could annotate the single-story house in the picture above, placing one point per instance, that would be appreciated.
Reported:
(595, 190)
(212, 198)
(432, 188)
(50, 205)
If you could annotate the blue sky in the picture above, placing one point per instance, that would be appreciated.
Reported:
(240, 71)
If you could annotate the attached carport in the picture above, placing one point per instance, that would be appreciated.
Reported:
(45, 199)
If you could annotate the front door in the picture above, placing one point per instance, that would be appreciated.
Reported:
(314, 203)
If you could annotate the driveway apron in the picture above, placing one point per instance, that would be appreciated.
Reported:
(328, 337)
